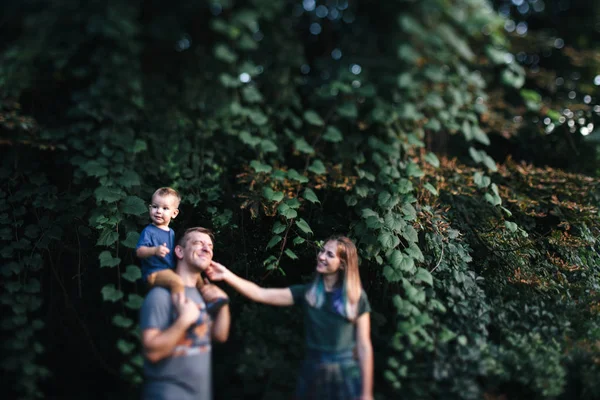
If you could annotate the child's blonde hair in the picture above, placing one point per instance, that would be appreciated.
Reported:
(167, 191)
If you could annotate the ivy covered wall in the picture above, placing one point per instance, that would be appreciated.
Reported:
(409, 125)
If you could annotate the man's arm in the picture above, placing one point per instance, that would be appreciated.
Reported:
(222, 321)
(220, 330)
(159, 344)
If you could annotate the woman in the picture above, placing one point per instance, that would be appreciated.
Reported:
(337, 320)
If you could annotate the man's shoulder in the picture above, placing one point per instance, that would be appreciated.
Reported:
(158, 293)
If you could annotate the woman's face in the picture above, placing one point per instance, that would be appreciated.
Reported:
(328, 261)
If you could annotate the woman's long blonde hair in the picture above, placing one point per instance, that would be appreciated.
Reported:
(351, 286)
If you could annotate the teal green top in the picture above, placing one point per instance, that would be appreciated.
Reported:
(325, 329)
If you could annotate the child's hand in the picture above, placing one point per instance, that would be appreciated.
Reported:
(212, 292)
(216, 271)
(188, 311)
(161, 250)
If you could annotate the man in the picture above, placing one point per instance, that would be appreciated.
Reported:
(176, 338)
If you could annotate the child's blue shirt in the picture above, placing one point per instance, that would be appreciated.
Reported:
(152, 236)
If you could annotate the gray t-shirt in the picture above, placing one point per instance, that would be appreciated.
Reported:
(186, 374)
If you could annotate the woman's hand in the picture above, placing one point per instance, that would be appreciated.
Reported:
(216, 271)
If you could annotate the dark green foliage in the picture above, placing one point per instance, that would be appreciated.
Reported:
(483, 277)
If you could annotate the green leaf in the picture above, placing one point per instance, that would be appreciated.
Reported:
(302, 146)
(362, 190)
(122, 322)
(259, 167)
(415, 252)
(110, 293)
(394, 222)
(278, 227)
(447, 33)
(367, 212)
(251, 94)
(409, 233)
(410, 214)
(513, 76)
(554, 115)
(387, 200)
(303, 225)
(259, 118)
(224, 53)
(511, 226)
(413, 294)
(272, 195)
(430, 188)
(131, 240)
(274, 240)
(497, 56)
(108, 194)
(387, 240)
(293, 203)
(132, 273)
(413, 169)
(405, 80)
(348, 110)
(129, 179)
(391, 274)
(480, 135)
(294, 175)
(374, 222)
(107, 237)
(107, 260)
(139, 145)
(432, 159)
(125, 347)
(481, 180)
(291, 254)
(317, 167)
(229, 81)
(313, 118)
(298, 240)
(493, 199)
(423, 275)
(248, 139)
(287, 211)
(134, 302)
(405, 186)
(395, 258)
(433, 124)
(134, 205)
(310, 196)
(94, 168)
(333, 134)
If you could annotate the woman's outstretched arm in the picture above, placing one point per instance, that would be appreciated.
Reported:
(365, 354)
(274, 297)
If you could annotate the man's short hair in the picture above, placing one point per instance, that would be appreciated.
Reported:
(184, 238)
(167, 191)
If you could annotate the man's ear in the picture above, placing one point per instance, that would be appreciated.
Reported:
(179, 252)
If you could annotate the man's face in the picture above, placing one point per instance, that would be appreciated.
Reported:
(198, 251)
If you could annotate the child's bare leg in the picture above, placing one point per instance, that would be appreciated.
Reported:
(167, 278)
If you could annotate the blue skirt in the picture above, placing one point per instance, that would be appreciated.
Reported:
(329, 376)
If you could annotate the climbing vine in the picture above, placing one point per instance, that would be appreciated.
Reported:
(281, 125)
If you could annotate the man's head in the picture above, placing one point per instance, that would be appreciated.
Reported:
(194, 249)
(164, 206)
